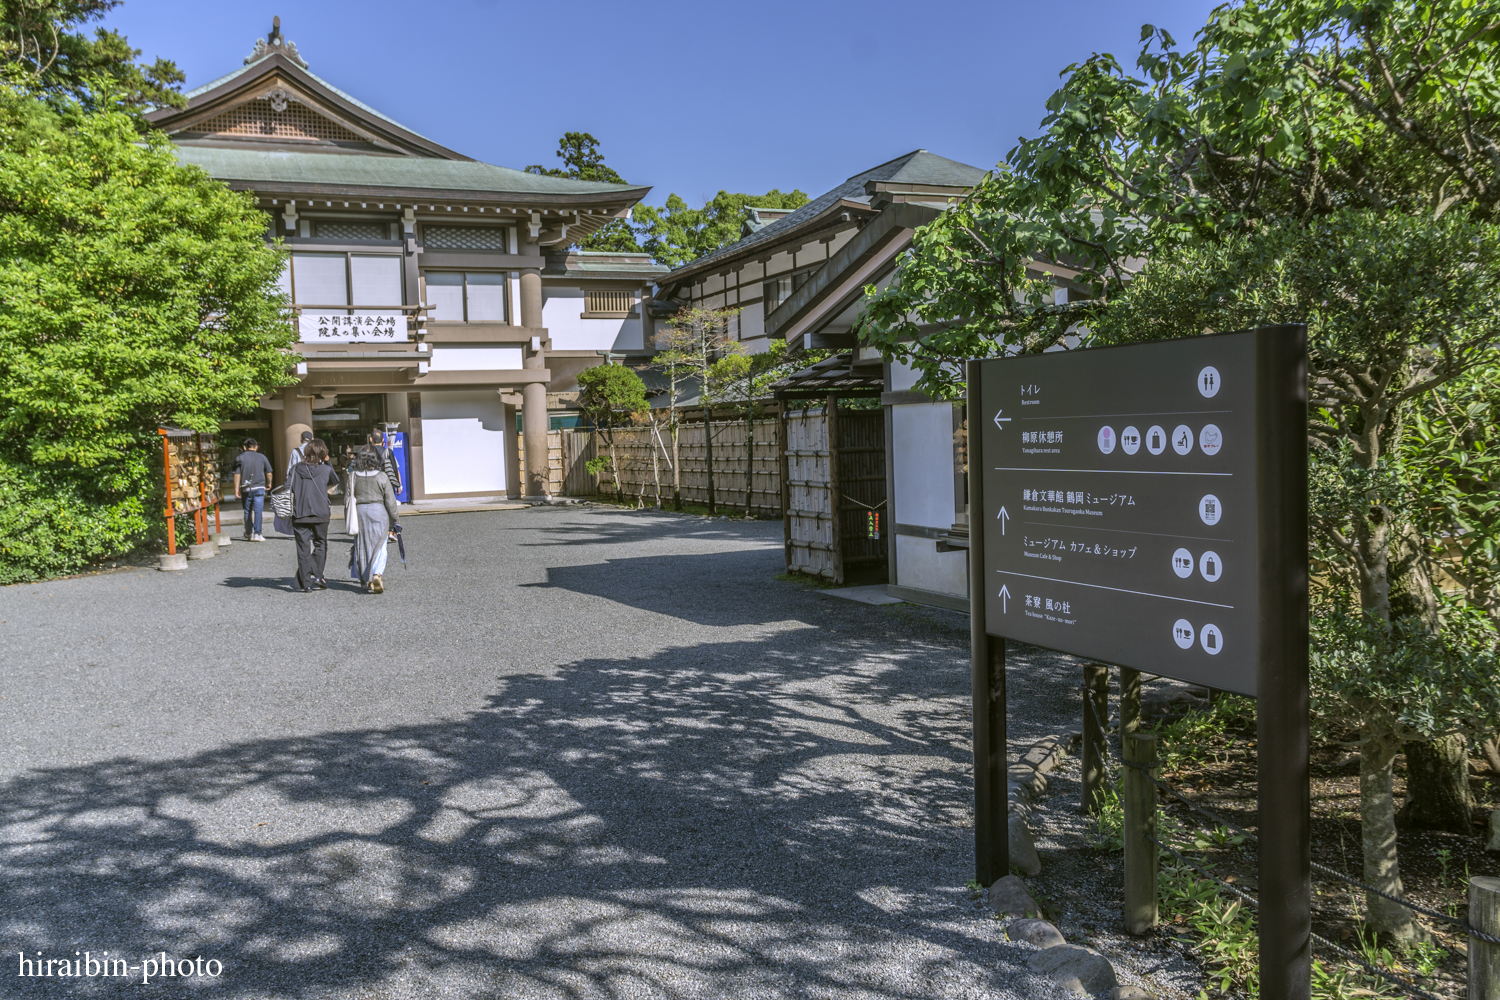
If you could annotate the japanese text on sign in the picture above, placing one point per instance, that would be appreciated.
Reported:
(340, 328)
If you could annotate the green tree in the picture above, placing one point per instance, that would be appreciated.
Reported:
(582, 161)
(1302, 146)
(1383, 330)
(675, 234)
(134, 292)
(688, 346)
(42, 51)
(611, 396)
(743, 379)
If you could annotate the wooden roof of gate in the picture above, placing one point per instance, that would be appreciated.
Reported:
(835, 376)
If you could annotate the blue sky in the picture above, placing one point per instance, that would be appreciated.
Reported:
(687, 97)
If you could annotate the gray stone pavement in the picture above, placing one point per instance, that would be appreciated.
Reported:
(571, 753)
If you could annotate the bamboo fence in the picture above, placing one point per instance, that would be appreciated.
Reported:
(634, 449)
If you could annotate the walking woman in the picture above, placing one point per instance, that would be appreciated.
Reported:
(369, 490)
(312, 480)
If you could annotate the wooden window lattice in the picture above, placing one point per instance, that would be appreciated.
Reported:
(608, 301)
(466, 238)
(257, 118)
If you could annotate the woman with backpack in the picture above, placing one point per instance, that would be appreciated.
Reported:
(372, 502)
(311, 481)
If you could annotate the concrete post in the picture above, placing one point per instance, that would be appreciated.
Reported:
(276, 447)
(298, 410)
(534, 420)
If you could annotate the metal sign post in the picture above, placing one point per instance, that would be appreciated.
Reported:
(1147, 506)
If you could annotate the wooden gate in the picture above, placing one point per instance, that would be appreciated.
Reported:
(807, 494)
(833, 483)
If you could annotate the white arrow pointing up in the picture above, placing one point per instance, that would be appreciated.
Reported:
(1004, 599)
(1000, 421)
(1003, 516)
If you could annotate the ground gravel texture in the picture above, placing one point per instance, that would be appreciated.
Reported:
(571, 753)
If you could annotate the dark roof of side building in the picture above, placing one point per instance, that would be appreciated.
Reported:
(918, 168)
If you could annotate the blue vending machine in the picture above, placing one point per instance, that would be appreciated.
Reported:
(396, 441)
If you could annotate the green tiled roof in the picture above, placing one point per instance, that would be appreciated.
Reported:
(271, 167)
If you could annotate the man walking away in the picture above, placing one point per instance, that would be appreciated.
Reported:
(387, 459)
(299, 454)
(252, 476)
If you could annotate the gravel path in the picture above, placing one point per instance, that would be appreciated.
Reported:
(571, 753)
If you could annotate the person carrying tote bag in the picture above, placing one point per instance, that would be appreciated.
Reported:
(312, 480)
(369, 494)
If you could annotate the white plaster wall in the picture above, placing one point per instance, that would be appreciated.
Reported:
(902, 377)
(463, 442)
(561, 315)
(922, 463)
(473, 358)
(919, 564)
(753, 321)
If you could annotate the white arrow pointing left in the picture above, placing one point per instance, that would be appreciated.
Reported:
(1000, 421)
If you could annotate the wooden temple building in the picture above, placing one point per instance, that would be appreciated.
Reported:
(431, 290)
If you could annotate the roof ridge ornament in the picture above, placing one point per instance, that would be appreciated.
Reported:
(275, 42)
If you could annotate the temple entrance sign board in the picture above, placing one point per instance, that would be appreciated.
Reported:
(1124, 504)
(1146, 506)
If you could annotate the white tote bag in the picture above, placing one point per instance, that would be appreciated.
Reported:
(351, 512)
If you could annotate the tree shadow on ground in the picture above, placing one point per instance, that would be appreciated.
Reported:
(737, 819)
(625, 525)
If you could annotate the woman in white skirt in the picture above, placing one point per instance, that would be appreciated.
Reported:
(373, 503)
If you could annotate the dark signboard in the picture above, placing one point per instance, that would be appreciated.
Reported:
(1122, 502)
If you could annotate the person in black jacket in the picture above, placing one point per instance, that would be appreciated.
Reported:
(312, 480)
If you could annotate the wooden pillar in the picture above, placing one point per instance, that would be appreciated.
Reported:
(1130, 701)
(512, 452)
(987, 678)
(396, 410)
(1138, 796)
(1484, 958)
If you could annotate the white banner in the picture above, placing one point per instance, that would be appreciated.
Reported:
(335, 327)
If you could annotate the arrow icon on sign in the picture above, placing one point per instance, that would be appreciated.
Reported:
(1000, 421)
(1003, 516)
(1004, 599)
